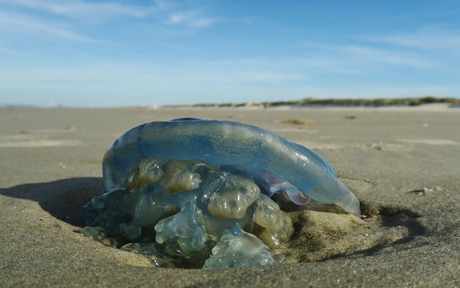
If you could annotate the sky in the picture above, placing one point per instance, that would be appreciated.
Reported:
(130, 53)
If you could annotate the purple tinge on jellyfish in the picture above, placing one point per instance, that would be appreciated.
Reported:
(196, 193)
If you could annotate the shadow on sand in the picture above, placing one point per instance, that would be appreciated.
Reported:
(62, 199)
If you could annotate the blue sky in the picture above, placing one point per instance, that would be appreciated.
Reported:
(117, 53)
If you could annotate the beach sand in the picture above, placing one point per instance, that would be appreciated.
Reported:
(403, 165)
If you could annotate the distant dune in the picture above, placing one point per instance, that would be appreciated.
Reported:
(347, 102)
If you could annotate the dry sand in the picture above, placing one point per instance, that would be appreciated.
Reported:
(403, 164)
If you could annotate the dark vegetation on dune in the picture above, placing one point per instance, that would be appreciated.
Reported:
(346, 102)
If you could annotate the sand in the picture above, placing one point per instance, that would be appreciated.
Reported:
(403, 165)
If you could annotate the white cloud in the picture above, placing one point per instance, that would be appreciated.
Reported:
(68, 19)
(176, 18)
(361, 59)
(173, 12)
(192, 19)
(388, 56)
(203, 22)
(29, 25)
(20, 16)
(72, 8)
(425, 38)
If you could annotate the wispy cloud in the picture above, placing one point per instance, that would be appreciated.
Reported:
(428, 38)
(17, 23)
(361, 58)
(60, 20)
(191, 19)
(70, 8)
(388, 56)
(170, 13)
(76, 20)
(203, 22)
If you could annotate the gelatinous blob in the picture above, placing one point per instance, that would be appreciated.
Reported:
(233, 197)
(181, 176)
(237, 248)
(146, 172)
(196, 193)
(184, 231)
(276, 227)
